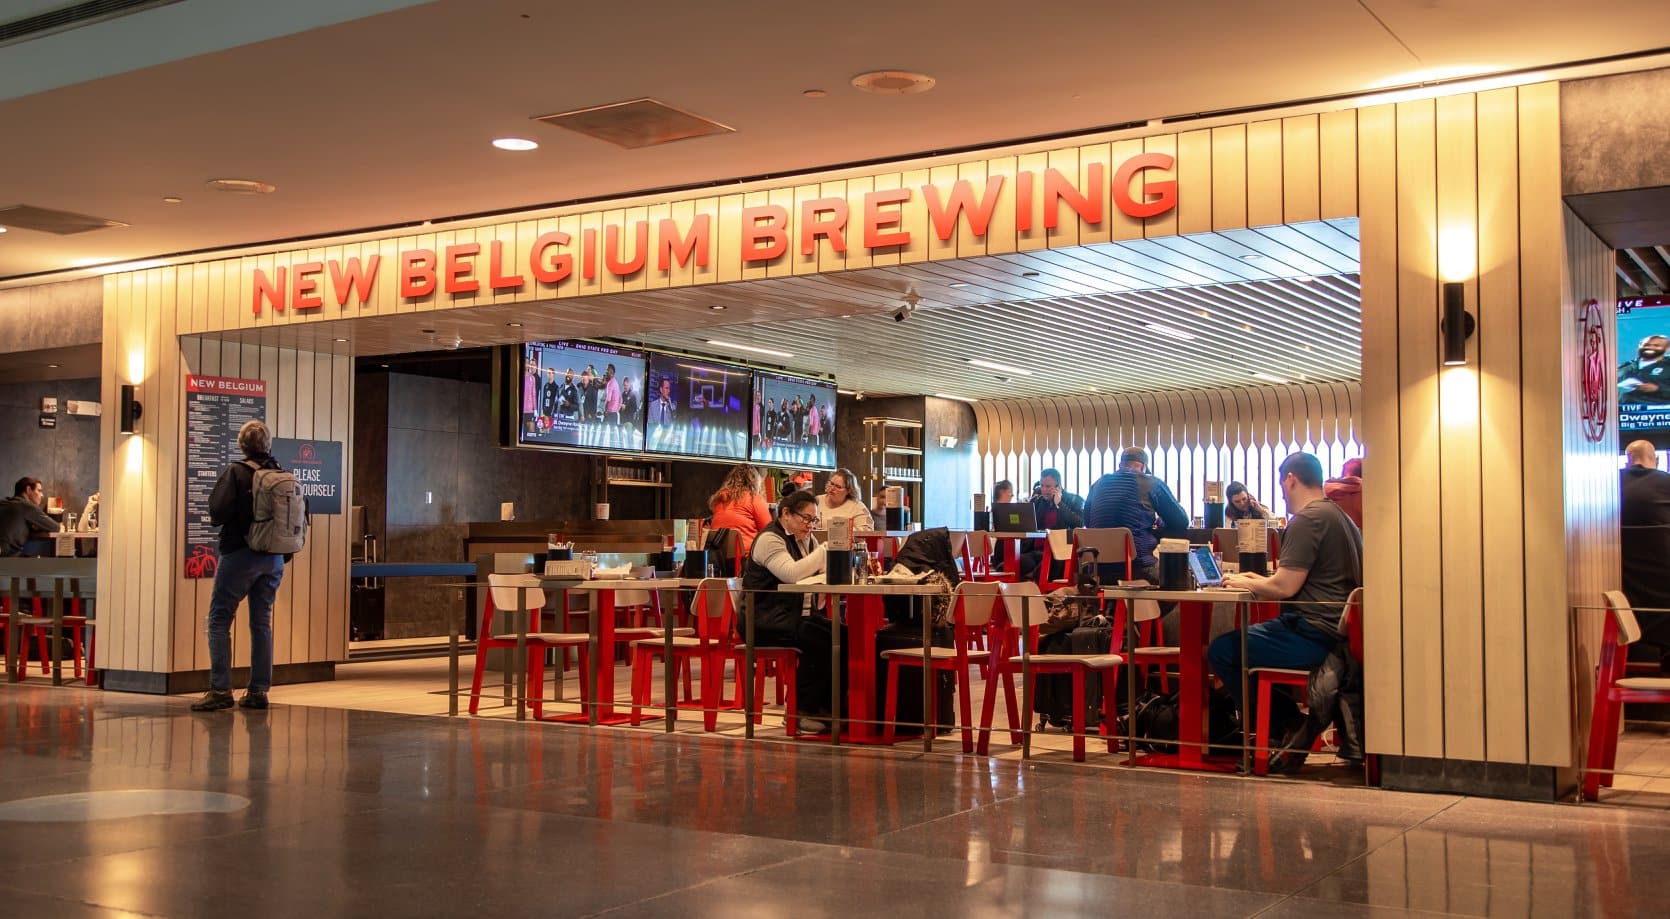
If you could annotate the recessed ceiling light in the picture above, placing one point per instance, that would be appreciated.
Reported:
(1245, 327)
(52, 366)
(171, 199)
(717, 306)
(1254, 257)
(1169, 332)
(1268, 378)
(1307, 279)
(959, 283)
(384, 366)
(241, 186)
(342, 341)
(427, 331)
(893, 82)
(1005, 368)
(739, 347)
(814, 93)
(1204, 313)
(515, 143)
(946, 395)
(514, 325)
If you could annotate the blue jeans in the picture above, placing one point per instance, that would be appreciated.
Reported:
(256, 575)
(1288, 642)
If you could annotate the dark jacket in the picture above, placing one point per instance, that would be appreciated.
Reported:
(778, 613)
(20, 521)
(1644, 513)
(232, 503)
(1140, 503)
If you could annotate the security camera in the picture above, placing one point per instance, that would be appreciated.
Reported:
(900, 314)
(912, 300)
(859, 395)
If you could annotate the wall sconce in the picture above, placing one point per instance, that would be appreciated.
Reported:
(1457, 324)
(131, 410)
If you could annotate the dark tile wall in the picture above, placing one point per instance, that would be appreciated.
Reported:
(64, 458)
(948, 480)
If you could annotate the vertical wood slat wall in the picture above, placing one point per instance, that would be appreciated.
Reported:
(1450, 662)
(158, 622)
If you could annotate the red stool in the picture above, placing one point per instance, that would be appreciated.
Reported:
(1266, 679)
(1612, 690)
(972, 607)
(516, 593)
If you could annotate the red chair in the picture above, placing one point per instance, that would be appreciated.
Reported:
(977, 554)
(1612, 690)
(516, 593)
(973, 607)
(1266, 679)
(713, 645)
(1058, 547)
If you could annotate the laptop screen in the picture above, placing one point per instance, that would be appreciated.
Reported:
(1016, 517)
(1205, 567)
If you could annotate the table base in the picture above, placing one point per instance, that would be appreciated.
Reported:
(869, 740)
(1173, 761)
(612, 719)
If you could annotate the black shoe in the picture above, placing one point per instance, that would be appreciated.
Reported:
(253, 699)
(213, 701)
(1289, 756)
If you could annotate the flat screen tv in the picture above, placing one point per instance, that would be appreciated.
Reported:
(580, 394)
(697, 408)
(793, 421)
(1644, 371)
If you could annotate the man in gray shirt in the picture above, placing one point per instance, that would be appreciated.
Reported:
(1321, 564)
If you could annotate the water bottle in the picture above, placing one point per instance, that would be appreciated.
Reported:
(861, 566)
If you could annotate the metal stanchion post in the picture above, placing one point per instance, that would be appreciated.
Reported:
(837, 607)
(452, 663)
(748, 665)
(1026, 678)
(1247, 727)
(13, 635)
(928, 711)
(520, 665)
(669, 671)
(57, 631)
(1130, 683)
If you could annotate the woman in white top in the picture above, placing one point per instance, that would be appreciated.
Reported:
(842, 498)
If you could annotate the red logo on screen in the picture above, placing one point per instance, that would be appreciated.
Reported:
(1593, 401)
(307, 454)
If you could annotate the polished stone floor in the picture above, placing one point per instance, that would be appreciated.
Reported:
(369, 813)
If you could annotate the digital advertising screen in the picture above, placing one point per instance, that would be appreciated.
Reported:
(793, 421)
(580, 394)
(1644, 370)
(697, 408)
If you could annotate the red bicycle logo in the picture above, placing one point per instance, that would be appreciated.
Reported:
(307, 454)
(203, 562)
(1593, 401)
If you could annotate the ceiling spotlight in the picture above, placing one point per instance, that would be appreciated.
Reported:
(427, 331)
(2, 229)
(514, 325)
(893, 82)
(1004, 368)
(1306, 279)
(342, 341)
(717, 306)
(52, 366)
(959, 283)
(1169, 332)
(1254, 257)
(751, 348)
(515, 143)
(171, 199)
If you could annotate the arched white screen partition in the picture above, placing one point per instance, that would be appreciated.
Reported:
(1218, 435)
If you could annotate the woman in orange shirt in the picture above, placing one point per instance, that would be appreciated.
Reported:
(740, 505)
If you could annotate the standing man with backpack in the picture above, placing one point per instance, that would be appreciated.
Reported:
(263, 521)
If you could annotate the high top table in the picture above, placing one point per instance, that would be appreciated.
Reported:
(1011, 545)
(18, 577)
(602, 629)
(864, 617)
(1194, 613)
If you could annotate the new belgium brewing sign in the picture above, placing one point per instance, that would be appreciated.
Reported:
(873, 221)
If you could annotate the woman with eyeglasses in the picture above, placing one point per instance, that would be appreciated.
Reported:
(843, 497)
(785, 553)
(739, 504)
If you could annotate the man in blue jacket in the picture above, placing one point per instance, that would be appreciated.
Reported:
(1131, 498)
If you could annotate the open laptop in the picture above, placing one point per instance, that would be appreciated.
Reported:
(1014, 517)
(1205, 567)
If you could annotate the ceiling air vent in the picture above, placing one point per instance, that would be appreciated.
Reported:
(639, 123)
(63, 223)
(71, 16)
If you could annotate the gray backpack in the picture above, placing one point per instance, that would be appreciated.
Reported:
(280, 524)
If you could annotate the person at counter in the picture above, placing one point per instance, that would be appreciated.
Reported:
(243, 572)
(1056, 509)
(1131, 498)
(1644, 538)
(786, 553)
(1239, 504)
(1321, 564)
(740, 504)
(844, 497)
(25, 529)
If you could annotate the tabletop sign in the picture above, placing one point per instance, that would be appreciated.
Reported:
(216, 407)
(317, 466)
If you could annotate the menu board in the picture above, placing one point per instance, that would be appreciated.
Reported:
(216, 407)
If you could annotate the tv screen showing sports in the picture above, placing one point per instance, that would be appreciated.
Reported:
(580, 394)
(1644, 370)
(793, 421)
(697, 408)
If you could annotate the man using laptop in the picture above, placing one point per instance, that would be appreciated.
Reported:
(1321, 564)
(1056, 509)
(1131, 498)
